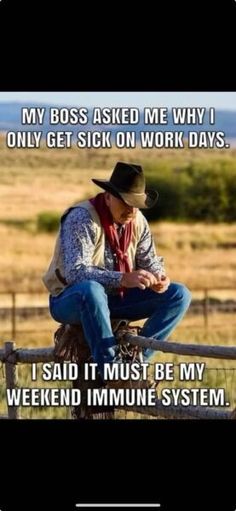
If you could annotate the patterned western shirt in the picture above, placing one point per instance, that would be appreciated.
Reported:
(78, 242)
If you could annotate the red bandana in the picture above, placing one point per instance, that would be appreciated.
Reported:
(118, 245)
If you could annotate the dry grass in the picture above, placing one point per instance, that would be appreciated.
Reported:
(37, 180)
(24, 196)
(194, 235)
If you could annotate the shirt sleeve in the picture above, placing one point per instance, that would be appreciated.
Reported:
(146, 257)
(78, 238)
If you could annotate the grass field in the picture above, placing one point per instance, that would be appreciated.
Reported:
(198, 254)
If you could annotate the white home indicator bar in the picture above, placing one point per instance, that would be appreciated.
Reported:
(118, 505)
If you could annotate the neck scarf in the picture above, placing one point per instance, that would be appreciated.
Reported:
(119, 245)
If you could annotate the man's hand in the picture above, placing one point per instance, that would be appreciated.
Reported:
(162, 284)
(140, 278)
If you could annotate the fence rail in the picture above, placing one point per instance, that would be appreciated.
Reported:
(11, 357)
(209, 351)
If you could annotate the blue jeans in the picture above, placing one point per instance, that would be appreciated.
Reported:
(88, 303)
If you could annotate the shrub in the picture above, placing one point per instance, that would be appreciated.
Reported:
(199, 191)
(48, 221)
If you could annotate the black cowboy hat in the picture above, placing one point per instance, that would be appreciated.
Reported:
(127, 182)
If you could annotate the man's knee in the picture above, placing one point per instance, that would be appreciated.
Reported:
(181, 294)
(92, 289)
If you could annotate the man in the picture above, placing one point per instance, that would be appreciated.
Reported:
(105, 267)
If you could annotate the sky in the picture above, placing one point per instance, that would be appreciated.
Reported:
(219, 100)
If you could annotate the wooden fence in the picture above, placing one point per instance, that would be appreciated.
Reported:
(11, 357)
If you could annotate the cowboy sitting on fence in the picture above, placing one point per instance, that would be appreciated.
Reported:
(105, 268)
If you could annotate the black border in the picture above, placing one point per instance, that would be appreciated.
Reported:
(153, 460)
(54, 464)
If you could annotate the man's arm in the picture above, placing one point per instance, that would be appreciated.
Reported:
(78, 242)
(146, 257)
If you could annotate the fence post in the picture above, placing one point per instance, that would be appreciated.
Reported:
(13, 316)
(206, 308)
(11, 374)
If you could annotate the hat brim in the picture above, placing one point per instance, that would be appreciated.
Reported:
(137, 200)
